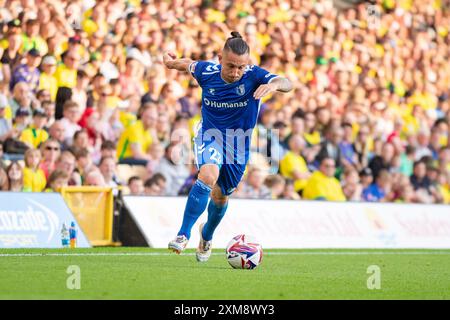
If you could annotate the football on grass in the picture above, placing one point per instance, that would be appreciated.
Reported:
(244, 252)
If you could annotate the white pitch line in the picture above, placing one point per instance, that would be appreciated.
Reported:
(301, 253)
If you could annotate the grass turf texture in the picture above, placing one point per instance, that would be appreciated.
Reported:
(145, 273)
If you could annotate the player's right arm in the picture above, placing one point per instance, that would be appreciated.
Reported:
(200, 70)
(171, 62)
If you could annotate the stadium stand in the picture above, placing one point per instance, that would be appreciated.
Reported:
(371, 93)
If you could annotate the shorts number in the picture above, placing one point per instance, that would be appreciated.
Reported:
(215, 155)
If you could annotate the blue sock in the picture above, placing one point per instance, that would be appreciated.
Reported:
(196, 204)
(215, 215)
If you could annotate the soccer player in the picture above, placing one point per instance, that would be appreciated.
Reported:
(231, 93)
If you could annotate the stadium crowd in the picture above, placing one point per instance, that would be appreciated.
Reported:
(83, 93)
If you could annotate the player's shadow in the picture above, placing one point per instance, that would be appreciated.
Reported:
(215, 267)
(199, 267)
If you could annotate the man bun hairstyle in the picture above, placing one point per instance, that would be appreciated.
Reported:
(236, 44)
(235, 34)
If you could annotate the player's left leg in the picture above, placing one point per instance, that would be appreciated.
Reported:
(229, 178)
(216, 210)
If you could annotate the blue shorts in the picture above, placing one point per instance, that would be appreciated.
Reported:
(231, 165)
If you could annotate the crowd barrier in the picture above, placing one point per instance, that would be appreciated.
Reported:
(93, 209)
(34, 220)
(300, 224)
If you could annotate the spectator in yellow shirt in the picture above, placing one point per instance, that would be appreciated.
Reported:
(95, 20)
(66, 73)
(32, 38)
(322, 185)
(12, 43)
(293, 165)
(134, 143)
(35, 134)
(47, 79)
(33, 178)
(311, 135)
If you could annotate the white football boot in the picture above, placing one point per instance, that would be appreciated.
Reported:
(178, 244)
(204, 248)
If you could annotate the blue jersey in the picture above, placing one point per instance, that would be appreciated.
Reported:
(227, 108)
(228, 105)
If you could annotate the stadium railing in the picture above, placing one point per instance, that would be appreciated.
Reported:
(93, 208)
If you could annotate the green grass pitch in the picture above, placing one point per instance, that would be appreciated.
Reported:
(144, 273)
